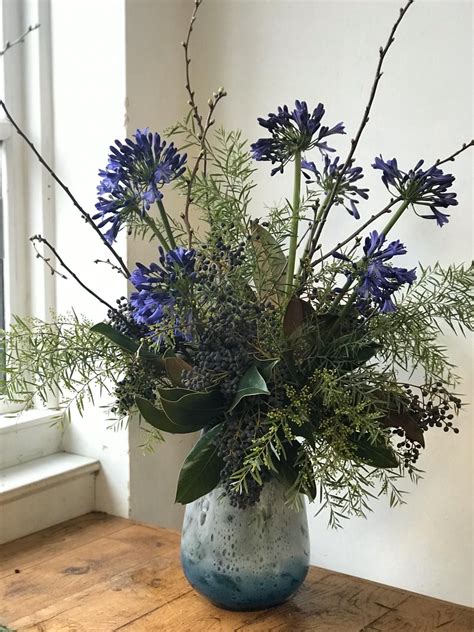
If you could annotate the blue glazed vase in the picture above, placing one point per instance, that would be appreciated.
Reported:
(245, 559)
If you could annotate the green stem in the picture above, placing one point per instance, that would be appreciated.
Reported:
(157, 232)
(343, 291)
(394, 219)
(166, 224)
(294, 224)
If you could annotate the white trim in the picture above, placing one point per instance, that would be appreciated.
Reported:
(5, 129)
(25, 83)
(28, 419)
(28, 478)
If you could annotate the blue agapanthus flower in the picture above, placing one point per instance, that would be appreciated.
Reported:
(131, 182)
(347, 191)
(377, 280)
(157, 289)
(420, 187)
(298, 130)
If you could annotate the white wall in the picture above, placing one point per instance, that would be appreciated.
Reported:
(267, 54)
(156, 98)
(88, 64)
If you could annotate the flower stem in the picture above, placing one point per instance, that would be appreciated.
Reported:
(394, 219)
(156, 230)
(166, 223)
(294, 224)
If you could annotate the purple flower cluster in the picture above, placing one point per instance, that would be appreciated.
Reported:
(292, 131)
(420, 187)
(131, 182)
(377, 280)
(347, 191)
(158, 287)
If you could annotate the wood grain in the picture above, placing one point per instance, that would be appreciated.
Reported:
(98, 573)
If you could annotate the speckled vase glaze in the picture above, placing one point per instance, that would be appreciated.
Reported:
(245, 559)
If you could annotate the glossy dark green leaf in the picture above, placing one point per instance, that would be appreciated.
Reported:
(201, 470)
(159, 420)
(185, 407)
(376, 455)
(126, 343)
(251, 383)
(270, 272)
(265, 367)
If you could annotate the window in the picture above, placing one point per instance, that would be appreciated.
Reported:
(26, 198)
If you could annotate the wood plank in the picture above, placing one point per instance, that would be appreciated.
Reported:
(38, 547)
(102, 574)
(422, 614)
(72, 572)
(326, 602)
(112, 603)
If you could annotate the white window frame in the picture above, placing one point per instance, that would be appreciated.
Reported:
(28, 194)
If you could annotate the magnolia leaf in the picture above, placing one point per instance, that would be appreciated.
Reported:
(297, 313)
(119, 339)
(271, 264)
(265, 367)
(185, 407)
(126, 343)
(374, 454)
(251, 383)
(174, 369)
(158, 419)
(201, 470)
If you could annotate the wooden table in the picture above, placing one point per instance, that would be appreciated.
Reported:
(99, 573)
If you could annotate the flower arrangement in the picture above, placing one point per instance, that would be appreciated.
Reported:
(296, 357)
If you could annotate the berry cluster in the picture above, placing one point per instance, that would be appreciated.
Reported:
(141, 378)
(217, 258)
(227, 346)
(434, 407)
(122, 320)
(237, 436)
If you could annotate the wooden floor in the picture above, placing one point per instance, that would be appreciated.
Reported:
(98, 573)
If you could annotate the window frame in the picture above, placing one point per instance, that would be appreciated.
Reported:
(28, 191)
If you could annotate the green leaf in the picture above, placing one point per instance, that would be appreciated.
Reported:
(183, 406)
(374, 454)
(159, 420)
(251, 383)
(122, 341)
(126, 343)
(201, 470)
(265, 367)
(269, 276)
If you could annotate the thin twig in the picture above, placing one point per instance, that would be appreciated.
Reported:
(84, 213)
(109, 263)
(220, 94)
(20, 40)
(203, 128)
(185, 44)
(47, 261)
(44, 241)
(455, 154)
(365, 119)
(373, 218)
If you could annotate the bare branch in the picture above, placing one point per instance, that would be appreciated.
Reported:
(43, 240)
(20, 40)
(455, 154)
(365, 119)
(84, 213)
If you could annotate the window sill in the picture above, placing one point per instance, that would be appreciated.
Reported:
(14, 420)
